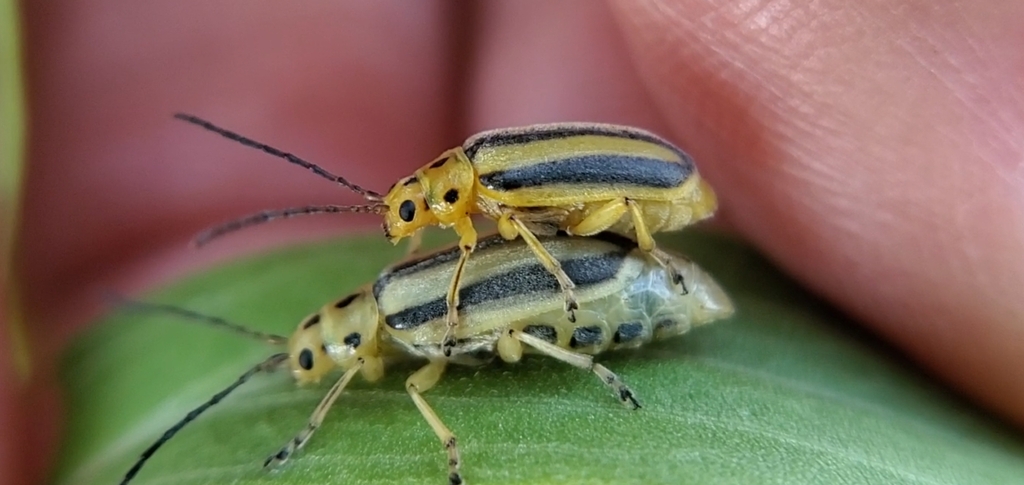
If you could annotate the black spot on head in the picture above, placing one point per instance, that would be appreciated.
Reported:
(409, 181)
(543, 332)
(585, 337)
(407, 211)
(306, 359)
(313, 320)
(353, 339)
(439, 163)
(627, 332)
(452, 196)
(344, 302)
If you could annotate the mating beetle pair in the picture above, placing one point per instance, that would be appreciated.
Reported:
(581, 178)
(546, 186)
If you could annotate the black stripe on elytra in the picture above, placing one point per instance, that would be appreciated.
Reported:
(599, 169)
(429, 261)
(527, 279)
(499, 138)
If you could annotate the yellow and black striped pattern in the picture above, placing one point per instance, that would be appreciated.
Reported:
(503, 282)
(569, 163)
(626, 299)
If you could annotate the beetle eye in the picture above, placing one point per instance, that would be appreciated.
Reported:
(407, 210)
(306, 359)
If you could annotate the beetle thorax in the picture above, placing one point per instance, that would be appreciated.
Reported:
(350, 327)
(448, 186)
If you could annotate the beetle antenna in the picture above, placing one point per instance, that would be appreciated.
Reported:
(137, 305)
(266, 216)
(266, 366)
(366, 193)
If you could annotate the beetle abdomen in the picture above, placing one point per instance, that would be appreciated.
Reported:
(648, 307)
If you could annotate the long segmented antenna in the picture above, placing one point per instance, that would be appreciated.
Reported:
(137, 305)
(266, 216)
(195, 120)
(267, 365)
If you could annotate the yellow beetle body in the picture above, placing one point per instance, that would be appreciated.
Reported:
(572, 169)
(582, 178)
(511, 306)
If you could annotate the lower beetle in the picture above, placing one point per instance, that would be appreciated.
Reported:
(511, 305)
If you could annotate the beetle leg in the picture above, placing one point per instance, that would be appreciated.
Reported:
(415, 241)
(646, 243)
(643, 235)
(601, 219)
(510, 349)
(314, 421)
(419, 382)
(583, 361)
(506, 227)
(467, 243)
(551, 264)
(663, 259)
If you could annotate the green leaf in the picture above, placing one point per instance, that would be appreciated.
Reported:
(12, 166)
(786, 392)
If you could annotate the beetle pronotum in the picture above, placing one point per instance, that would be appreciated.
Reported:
(510, 305)
(581, 178)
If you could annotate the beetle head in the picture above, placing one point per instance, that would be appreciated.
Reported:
(407, 210)
(307, 354)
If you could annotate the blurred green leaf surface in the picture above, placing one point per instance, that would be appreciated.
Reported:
(12, 152)
(786, 392)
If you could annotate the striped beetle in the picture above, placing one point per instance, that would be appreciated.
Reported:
(582, 178)
(510, 304)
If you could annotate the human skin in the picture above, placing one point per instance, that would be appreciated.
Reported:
(874, 150)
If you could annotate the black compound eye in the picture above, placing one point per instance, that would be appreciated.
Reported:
(306, 359)
(407, 210)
